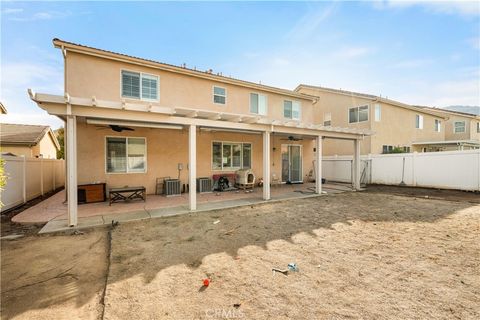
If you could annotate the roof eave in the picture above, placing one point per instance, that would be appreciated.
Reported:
(68, 46)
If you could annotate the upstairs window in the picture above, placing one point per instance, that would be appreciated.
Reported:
(130, 84)
(419, 121)
(219, 95)
(459, 127)
(378, 113)
(149, 87)
(258, 104)
(327, 119)
(126, 155)
(139, 85)
(478, 127)
(358, 114)
(291, 110)
(438, 125)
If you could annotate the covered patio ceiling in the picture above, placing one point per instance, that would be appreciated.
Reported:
(180, 116)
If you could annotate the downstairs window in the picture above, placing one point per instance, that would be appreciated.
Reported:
(230, 156)
(126, 155)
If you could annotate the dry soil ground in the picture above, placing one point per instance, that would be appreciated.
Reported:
(369, 255)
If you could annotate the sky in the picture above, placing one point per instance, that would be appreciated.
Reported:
(422, 53)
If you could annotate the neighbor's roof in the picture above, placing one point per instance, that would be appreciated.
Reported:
(372, 98)
(463, 114)
(24, 134)
(3, 110)
(74, 47)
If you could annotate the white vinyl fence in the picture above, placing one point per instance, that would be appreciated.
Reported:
(446, 170)
(28, 178)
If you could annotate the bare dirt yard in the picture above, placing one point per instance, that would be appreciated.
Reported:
(367, 255)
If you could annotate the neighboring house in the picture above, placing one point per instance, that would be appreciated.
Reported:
(462, 132)
(28, 140)
(130, 121)
(397, 126)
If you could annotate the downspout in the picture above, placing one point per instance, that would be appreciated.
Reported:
(64, 54)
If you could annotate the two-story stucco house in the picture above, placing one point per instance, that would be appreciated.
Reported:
(396, 125)
(130, 121)
(462, 132)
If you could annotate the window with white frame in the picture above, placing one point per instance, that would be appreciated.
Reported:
(327, 119)
(219, 95)
(419, 121)
(125, 155)
(378, 113)
(291, 109)
(438, 125)
(258, 103)
(459, 127)
(138, 85)
(358, 114)
(229, 156)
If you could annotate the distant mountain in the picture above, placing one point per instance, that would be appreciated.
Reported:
(467, 109)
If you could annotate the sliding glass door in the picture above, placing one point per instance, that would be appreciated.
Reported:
(292, 163)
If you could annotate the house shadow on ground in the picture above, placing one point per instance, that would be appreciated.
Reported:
(55, 272)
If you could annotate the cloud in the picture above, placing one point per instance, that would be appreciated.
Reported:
(12, 10)
(413, 63)
(311, 21)
(16, 78)
(39, 117)
(461, 90)
(22, 74)
(42, 15)
(464, 8)
(475, 42)
(280, 61)
(353, 52)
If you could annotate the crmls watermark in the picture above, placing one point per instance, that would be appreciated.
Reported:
(224, 314)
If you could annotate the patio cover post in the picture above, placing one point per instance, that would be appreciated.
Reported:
(318, 165)
(71, 154)
(266, 165)
(192, 167)
(356, 164)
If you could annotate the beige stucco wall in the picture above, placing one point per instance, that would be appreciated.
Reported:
(337, 105)
(18, 150)
(474, 134)
(45, 147)
(470, 128)
(88, 76)
(396, 126)
(165, 149)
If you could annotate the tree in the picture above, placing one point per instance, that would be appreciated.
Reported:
(398, 150)
(60, 137)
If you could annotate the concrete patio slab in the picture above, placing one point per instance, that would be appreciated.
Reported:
(126, 216)
(53, 211)
(62, 224)
(59, 225)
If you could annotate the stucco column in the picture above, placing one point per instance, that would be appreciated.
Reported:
(71, 156)
(356, 164)
(266, 165)
(192, 167)
(318, 165)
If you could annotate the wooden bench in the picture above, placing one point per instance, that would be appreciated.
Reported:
(127, 194)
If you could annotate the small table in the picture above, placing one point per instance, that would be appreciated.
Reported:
(127, 194)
